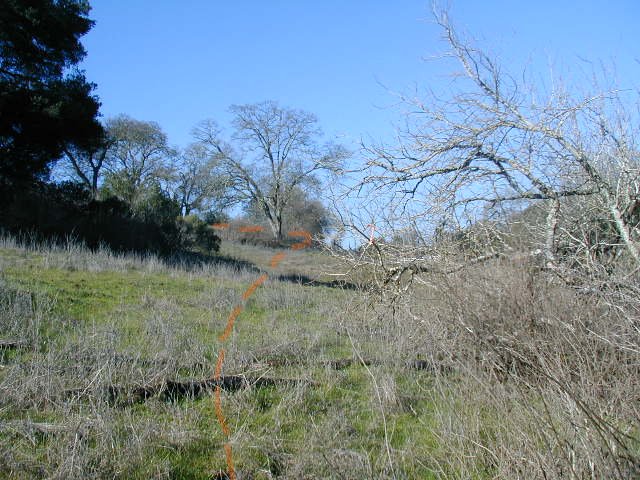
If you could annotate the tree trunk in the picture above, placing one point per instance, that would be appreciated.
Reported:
(276, 228)
(622, 227)
(271, 220)
(279, 222)
(94, 183)
(274, 219)
(550, 233)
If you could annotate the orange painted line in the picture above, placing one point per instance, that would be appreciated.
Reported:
(251, 229)
(304, 244)
(277, 258)
(219, 365)
(221, 419)
(228, 454)
(218, 401)
(232, 318)
(254, 286)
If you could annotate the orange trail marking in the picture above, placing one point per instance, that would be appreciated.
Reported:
(218, 402)
(254, 286)
(304, 244)
(251, 229)
(277, 258)
(219, 365)
(232, 318)
(221, 419)
(232, 471)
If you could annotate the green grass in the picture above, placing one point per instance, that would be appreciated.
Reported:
(94, 296)
(171, 313)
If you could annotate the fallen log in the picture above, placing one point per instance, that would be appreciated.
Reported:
(27, 427)
(171, 390)
(342, 363)
(12, 344)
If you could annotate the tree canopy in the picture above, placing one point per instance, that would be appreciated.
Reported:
(137, 157)
(46, 104)
(274, 151)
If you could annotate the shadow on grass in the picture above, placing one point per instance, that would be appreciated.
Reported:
(308, 281)
(192, 260)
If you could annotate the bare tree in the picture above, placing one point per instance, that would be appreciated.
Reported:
(196, 182)
(498, 141)
(273, 151)
(138, 154)
(565, 169)
(88, 165)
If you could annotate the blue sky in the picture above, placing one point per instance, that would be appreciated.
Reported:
(179, 62)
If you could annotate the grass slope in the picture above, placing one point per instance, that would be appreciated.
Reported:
(94, 320)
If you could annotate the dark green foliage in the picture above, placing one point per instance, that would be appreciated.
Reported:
(41, 37)
(154, 205)
(42, 108)
(197, 234)
(59, 212)
(216, 216)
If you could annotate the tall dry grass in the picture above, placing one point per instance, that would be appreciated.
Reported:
(533, 378)
(62, 415)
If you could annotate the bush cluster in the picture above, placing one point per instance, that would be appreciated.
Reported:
(67, 211)
(195, 234)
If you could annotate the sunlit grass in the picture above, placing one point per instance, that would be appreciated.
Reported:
(164, 323)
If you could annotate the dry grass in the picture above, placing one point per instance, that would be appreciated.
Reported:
(547, 381)
(497, 371)
(96, 329)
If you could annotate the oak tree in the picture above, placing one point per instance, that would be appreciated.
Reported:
(46, 104)
(273, 152)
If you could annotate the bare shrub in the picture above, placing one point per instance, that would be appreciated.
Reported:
(510, 253)
(543, 376)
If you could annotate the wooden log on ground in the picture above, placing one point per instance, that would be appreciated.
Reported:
(27, 427)
(12, 344)
(175, 390)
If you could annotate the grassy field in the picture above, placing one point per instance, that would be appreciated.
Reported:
(107, 370)
(83, 332)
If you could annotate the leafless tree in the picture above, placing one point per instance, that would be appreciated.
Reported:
(558, 171)
(274, 151)
(138, 154)
(498, 142)
(196, 183)
(88, 165)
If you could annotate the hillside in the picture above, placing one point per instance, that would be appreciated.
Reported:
(107, 367)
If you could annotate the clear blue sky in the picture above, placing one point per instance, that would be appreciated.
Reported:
(178, 62)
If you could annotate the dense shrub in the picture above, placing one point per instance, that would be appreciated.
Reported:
(197, 234)
(216, 216)
(59, 212)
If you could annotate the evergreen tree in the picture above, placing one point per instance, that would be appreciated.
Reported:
(46, 103)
